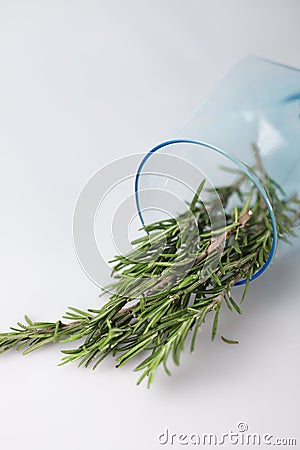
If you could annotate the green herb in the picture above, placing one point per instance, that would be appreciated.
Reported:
(161, 295)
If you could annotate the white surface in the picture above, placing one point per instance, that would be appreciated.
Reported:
(82, 83)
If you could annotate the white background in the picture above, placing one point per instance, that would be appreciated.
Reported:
(82, 83)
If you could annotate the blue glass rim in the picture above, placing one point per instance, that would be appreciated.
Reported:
(241, 166)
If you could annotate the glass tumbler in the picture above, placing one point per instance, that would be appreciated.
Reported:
(258, 103)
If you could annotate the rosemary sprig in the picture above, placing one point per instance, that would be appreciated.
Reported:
(160, 295)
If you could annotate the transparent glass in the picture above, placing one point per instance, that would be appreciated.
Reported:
(258, 102)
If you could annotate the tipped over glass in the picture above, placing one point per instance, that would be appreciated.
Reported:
(257, 105)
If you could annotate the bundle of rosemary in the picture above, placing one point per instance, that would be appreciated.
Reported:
(161, 296)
